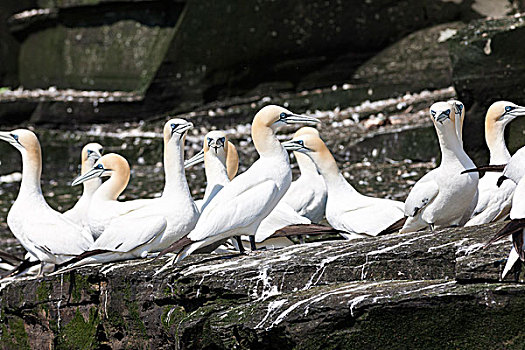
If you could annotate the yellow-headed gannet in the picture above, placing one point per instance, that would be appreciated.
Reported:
(221, 162)
(89, 155)
(123, 228)
(347, 210)
(307, 194)
(219, 156)
(514, 172)
(494, 202)
(442, 196)
(42, 231)
(243, 203)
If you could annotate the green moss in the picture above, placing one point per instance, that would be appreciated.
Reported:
(14, 336)
(79, 333)
(134, 315)
(80, 283)
(43, 291)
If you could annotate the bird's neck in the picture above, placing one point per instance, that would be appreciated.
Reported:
(92, 185)
(31, 171)
(451, 149)
(334, 180)
(306, 165)
(265, 141)
(175, 176)
(113, 187)
(216, 173)
(495, 138)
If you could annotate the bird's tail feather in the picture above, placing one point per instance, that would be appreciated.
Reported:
(10, 258)
(396, 226)
(485, 168)
(304, 229)
(513, 226)
(176, 246)
(511, 260)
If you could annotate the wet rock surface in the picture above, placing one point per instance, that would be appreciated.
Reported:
(433, 290)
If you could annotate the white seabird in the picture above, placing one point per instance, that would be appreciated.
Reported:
(123, 229)
(175, 205)
(242, 204)
(516, 227)
(220, 164)
(88, 157)
(442, 196)
(307, 194)
(45, 233)
(346, 209)
(220, 155)
(494, 202)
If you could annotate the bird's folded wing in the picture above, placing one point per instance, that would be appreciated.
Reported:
(371, 219)
(58, 237)
(420, 196)
(234, 209)
(282, 215)
(298, 197)
(127, 233)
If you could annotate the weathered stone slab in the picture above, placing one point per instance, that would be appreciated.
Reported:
(427, 288)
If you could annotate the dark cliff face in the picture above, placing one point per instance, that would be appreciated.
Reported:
(175, 56)
(432, 290)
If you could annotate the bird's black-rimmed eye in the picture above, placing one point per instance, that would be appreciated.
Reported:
(90, 152)
(209, 140)
(101, 150)
(433, 113)
(14, 136)
(222, 140)
(508, 109)
(283, 115)
(447, 112)
(174, 126)
(300, 142)
(99, 166)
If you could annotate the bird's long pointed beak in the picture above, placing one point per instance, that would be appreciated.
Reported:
(91, 174)
(518, 111)
(294, 145)
(6, 136)
(196, 159)
(301, 119)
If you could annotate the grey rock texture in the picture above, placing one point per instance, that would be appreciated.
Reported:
(432, 290)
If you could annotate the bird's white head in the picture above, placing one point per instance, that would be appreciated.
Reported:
(107, 165)
(442, 113)
(273, 116)
(502, 113)
(176, 127)
(22, 139)
(309, 143)
(90, 154)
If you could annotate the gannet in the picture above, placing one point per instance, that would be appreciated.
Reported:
(307, 194)
(442, 196)
(221, 162)
(89, 155)
(346, 209)
(45, 233)
(175, 204)
(243, 203)
(122, 228)
(218, 157)
(515, 228)
(494, 202)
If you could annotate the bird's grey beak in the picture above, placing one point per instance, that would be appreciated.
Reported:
(94, 155)
(196, 159)
(442, 117)
(294, 145)
(517, 112)
(91, 174)
(181, 129)
(5, 136)
(300, 119)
